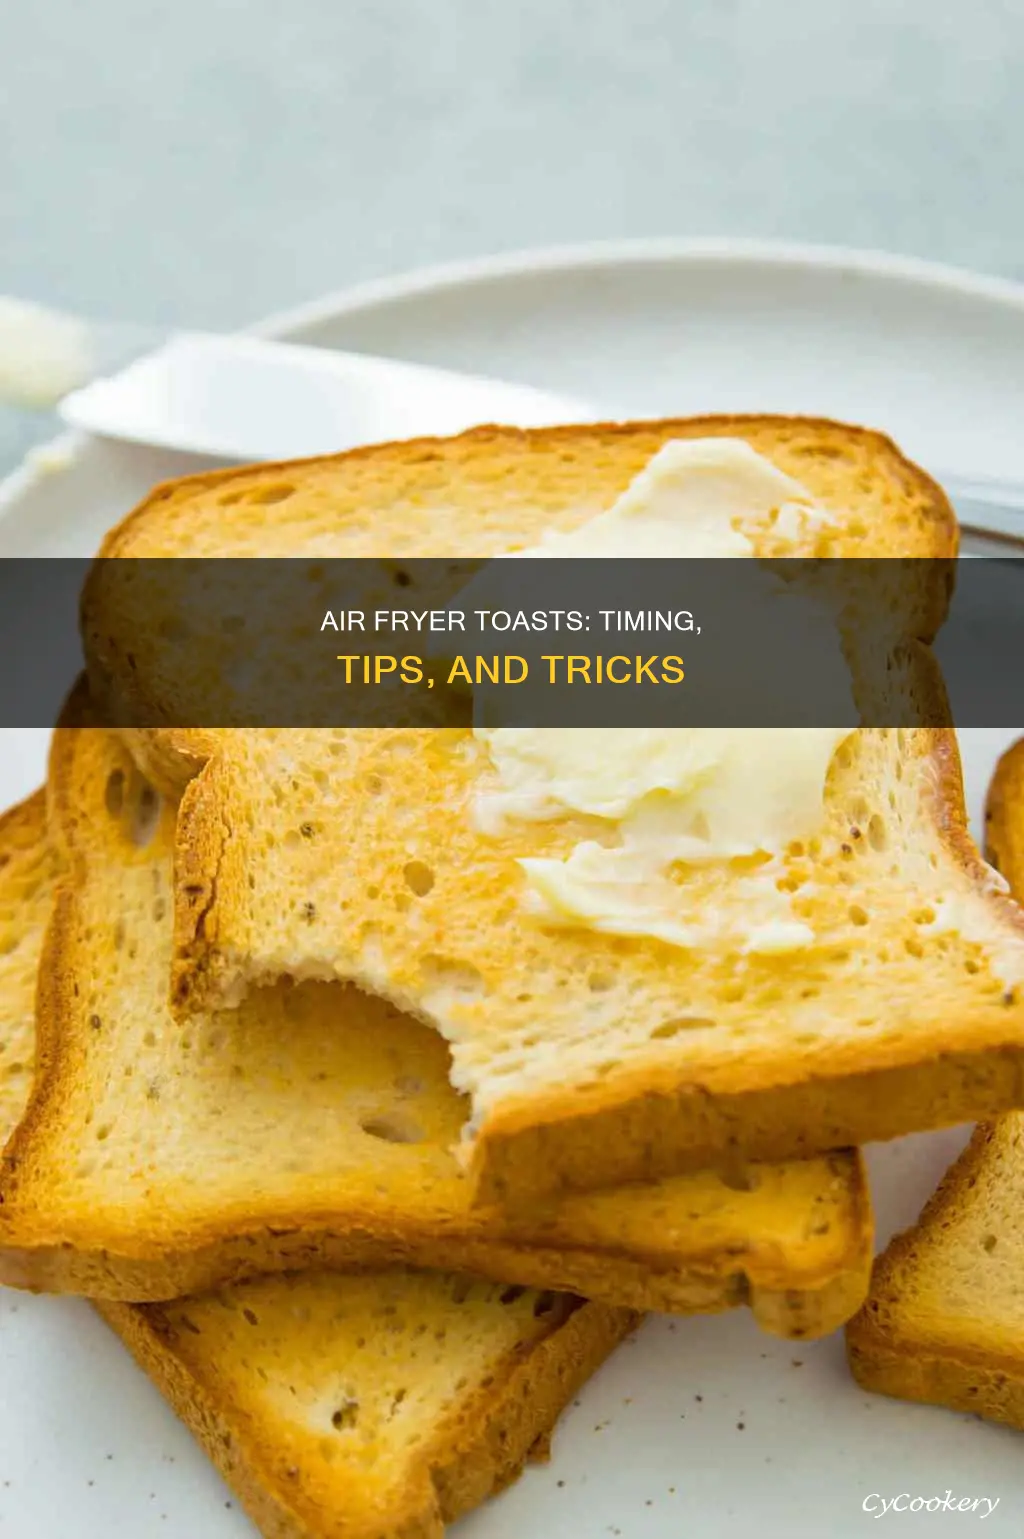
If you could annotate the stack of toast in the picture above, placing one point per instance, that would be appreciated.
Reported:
(369, 1163)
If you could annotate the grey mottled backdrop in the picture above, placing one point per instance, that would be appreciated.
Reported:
(208, 160)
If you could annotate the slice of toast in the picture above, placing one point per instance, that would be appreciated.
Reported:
(315, 1125)
(379, 1406)
(482, 494)
(1004, 819)
(589, 1059)
(28, 874)
(338, 1407)
(942, 1323)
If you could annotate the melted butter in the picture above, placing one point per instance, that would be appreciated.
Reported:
(686, 503)
(670, 797)
(673, 796)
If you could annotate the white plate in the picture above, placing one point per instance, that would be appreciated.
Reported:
(655, 1448)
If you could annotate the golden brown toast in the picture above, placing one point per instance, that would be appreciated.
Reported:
(942, 1319)
(378, 1406)
(942, 1323)
(315, 1125)
(589, 1059)
(28, 873)
(1004, 819)
(481, 494)
(338, 1407)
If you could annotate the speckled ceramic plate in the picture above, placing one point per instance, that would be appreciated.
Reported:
(700, 1427)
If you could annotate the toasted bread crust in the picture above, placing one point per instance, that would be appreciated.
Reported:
(464, 1464)
(23, 829)
(943, 539)
(799, 1306)
(931, 1374)
(900, 1344)
(929, 1358)
(690, 1130)
(798, 1281)
(1004, 818)
(28, 869)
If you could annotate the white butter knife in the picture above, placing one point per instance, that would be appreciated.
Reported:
(240, 397)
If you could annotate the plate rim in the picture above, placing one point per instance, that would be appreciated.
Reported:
(590, 256)
(293, 321)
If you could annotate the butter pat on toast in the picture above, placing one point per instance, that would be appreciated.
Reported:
(314, 1126)
(884, 1000)
(942, 1323)
(378, 1406)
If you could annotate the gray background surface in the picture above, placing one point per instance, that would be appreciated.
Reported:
(206, 161)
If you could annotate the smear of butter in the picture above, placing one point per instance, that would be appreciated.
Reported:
(686, 503)
(674, 795)
(43, 354)
(678, 796)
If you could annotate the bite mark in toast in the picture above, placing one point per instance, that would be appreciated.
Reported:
(589, 1059)
(314, 1126)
